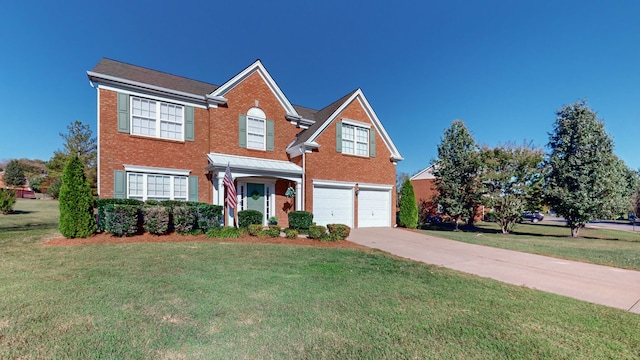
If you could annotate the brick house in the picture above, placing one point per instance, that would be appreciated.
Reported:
(162, 136)
(425, 190)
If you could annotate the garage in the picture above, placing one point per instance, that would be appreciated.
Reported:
(374, 208)
(332, 205)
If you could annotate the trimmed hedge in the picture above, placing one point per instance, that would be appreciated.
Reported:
(340, 231)
(300, 220)
(101, 203)
(291, 233)
(225, 232)
(317, 231)
(272, 231)
(254, 229)
(249, 217)
(209, 216)
(121, 220)
(7, 201)
(155, 219)
(184, 218)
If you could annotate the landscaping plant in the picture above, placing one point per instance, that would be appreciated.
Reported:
(76, 202)
(300, 220)
(248, 217)
(408, 206)
(7, 200)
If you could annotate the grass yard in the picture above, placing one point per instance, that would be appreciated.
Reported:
(204, 300)
(598, 246)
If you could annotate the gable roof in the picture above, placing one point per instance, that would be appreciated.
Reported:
(425, 174)
(327, 115)
(121, 73)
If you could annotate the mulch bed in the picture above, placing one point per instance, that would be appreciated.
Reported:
(106, 238)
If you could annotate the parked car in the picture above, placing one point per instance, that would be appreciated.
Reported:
(533, 216)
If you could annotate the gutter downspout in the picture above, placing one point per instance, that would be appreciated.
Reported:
(304, 171)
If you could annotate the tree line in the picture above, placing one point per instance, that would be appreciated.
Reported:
(580, 177)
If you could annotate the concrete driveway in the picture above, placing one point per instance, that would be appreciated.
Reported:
(593, 283)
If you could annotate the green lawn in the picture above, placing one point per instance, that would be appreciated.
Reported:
(229, 300)
(599, 246)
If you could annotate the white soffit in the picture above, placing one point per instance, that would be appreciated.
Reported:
(220, 161)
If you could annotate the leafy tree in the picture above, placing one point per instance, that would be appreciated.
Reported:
(457, 173)
(14, 175)
(76, 202)
(408, 206)
(78, 142)
(586, 180)
(511, 178)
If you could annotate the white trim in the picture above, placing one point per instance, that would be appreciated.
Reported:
(98, 142)
(113, 80)
(150, 96)
(356, 123)
(269, 188)
(428, 172)
(158, 118)
(332, 183)
(155, 170)
(378, 187)
(244, 74)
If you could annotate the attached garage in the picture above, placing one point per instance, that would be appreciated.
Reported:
(332, 205)
(374, 207)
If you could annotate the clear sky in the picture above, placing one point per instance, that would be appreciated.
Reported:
(504, 67)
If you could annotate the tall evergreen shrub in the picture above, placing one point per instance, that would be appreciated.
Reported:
(408, 206)
(76, 202)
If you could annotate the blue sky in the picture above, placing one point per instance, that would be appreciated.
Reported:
(503, 67)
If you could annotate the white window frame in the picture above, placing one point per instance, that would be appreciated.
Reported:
(145, 172)
(158, 119)
(354, 140)
(263, 134)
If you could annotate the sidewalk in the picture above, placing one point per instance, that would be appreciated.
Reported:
(598, 284)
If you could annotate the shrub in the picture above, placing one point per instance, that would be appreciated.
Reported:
(248, 217)
(155, 219)
(226, 232)
(76, 202)
(272, 231)
(273, 220)
(171, 204)
(121, 220)
(152, 202)
(7, 200)
(339, 230)
(316, 231)
(254, 229)
(184, 218)
(490, 217)
(300, 220)
(330, 237)
(54, 188)
(291, 233)
(408, 206)
(102, 203)
(209, 216)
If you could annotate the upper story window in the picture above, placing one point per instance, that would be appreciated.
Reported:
(355, 140)
(256, 129)
(157, 119)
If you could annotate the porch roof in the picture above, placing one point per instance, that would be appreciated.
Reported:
(255, 166)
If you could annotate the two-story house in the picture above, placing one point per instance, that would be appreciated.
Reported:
(162, 136)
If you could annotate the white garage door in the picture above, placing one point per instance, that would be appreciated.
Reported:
(332, 205)
(374, 208)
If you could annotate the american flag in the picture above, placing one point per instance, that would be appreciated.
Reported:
(232, 200)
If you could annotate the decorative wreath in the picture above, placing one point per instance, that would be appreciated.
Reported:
(290, 192)
(255, 195)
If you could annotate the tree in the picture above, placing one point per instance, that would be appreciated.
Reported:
(511, 178)
(408, 206)
(76, 202)
(457, 173)
(14, 175)
(400, 178)
(586, 179)
(78, 142)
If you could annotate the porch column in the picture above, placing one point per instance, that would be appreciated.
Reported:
(298, 195)
(220, 193)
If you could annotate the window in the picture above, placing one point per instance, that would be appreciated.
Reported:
(157, 119)
(355, 140)
(255, 133)
(156, 187)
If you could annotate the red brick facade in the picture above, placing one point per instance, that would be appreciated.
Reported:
(216, 130)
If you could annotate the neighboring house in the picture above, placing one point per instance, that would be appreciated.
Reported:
(425, 190)
(23, 192)
(161, 136)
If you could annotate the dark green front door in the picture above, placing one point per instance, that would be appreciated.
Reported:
(255, 198)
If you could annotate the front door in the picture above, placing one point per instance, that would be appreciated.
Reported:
(255, 198)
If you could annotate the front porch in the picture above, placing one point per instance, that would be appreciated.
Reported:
(261, 184)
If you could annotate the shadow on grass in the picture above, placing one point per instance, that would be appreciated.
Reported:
(18, 212)
(444, 227)
(28, 227)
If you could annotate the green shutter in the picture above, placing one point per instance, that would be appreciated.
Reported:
(372, 143)
(339, 136)
(242, 130)
(119, 185)
(188, 123)
(270, 132)
(123, 112)
(193, 188)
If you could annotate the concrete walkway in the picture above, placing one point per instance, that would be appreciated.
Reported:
(593, 283)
